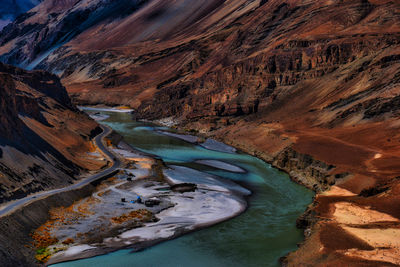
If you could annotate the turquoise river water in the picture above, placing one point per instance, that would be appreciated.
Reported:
(261, 235)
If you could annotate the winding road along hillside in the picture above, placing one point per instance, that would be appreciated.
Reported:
(116, 163)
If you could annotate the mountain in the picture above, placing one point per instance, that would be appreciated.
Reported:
(313, 87)
(44, 139)
(10, 9)
(53, 23)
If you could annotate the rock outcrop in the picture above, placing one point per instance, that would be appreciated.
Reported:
(43, 137)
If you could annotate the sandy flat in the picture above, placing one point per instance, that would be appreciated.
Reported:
(184, 137)
(388, 238)
(180, 174)
(218, 146)
(77, 249)
(386, 241)
(338, 191)
(386, 255)
(106, 109)
(348, 213)
(221, 165)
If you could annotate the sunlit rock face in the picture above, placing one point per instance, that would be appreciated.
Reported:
(10, 9)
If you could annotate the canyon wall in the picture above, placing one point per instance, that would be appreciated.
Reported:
(44, 139)
(310, 86)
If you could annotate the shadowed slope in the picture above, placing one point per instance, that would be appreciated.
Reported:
(10, 9)
(43, 138)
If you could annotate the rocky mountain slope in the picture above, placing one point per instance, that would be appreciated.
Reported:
(10, 9)
(44, 139)
(310, 86)
(53, 23)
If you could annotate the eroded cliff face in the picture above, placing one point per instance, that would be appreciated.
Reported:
(310, 86)
(43, 137)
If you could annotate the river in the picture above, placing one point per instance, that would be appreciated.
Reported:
(258, 237)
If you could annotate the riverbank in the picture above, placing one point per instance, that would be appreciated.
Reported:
(344, 189)
(108, 220)
(113, 224)
(17, 227)
(20, 217)
(261, 235)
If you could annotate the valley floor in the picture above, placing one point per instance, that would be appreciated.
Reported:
(143, 204)
(106, 223)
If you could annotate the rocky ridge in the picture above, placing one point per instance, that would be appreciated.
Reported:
(11, 9)
(310, 86)
(43, 137)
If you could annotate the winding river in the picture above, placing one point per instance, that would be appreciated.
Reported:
(258, 237)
